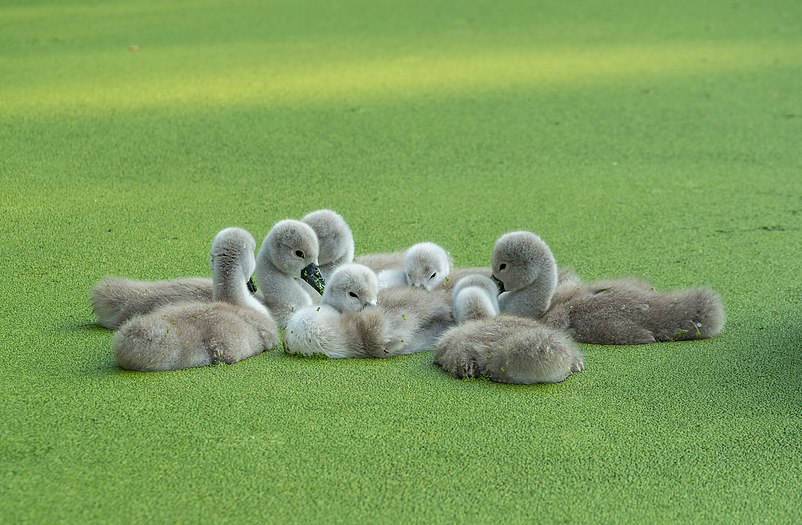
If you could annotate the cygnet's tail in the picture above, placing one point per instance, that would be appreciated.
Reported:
(509, 350)
(626, 311)
(153, 344)
(114, 300)
(691, 314)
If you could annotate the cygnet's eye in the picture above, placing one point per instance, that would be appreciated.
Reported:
(502, 266)
(352, 294)
(299, 253)
(433, 275)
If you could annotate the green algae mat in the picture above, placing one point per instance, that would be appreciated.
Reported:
(656, 139)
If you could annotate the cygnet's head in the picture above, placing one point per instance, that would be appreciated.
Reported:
(334, 237)
(232, 254)
(292, 247)
(351, 287)
(426, 265)
(520, 258)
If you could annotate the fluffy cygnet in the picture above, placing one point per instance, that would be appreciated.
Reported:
(335, 239)
(345, 323)
(349, 322)
(474, 297)
(426, 265)
(617, 311)
(286, 264)
(230, 328)
(508, 349)
(525, 266)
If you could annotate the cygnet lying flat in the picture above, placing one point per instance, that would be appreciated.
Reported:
(617, 311)
(232, 327)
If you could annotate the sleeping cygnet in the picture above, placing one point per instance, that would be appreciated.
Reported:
(426, 265)
(231, 327)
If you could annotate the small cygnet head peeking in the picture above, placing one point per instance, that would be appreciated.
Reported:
(520, 258)
(334, 237)
(232, 251)
(426, 265)
(351, 287)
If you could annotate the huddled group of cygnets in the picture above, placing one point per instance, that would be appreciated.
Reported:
(517, 321)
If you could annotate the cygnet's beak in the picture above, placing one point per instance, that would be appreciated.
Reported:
(251, 286)
(499, 284)
(312, 276)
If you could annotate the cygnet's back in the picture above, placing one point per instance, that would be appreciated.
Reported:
(508, 349)
(230, 328)
(630, 311)
(114, 300)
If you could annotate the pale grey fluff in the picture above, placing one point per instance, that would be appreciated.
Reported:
(382, 261)
(426, 265)
(289, 247)
(615, 311)
(508, 349)
(474, 297)
(345, 323)
(335, 240)
(231, 327)
(114, 300)
(523, 262)
(355, 319)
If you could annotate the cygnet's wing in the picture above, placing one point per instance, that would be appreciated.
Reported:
(381, 261)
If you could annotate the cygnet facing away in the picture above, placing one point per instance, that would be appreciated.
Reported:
(335, 240)
(286, 264)
(474, 297)
(617, 311)
(426, 265)
(230, 328)
(508, 349)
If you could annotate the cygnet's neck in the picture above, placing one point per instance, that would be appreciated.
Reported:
(279, 288)
(229, 286)
(534, 299)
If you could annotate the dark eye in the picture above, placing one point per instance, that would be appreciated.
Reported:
(299, 253)
(433, 275)
(502, 266)
(352, 294)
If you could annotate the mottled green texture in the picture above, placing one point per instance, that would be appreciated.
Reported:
(657, 139)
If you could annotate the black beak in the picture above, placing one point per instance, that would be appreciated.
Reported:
(251, 286)
(311, 275)
(498, 283)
